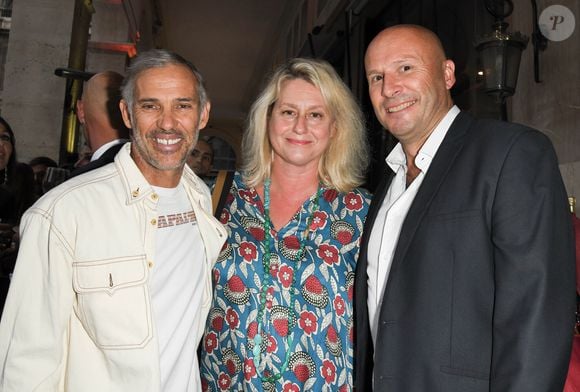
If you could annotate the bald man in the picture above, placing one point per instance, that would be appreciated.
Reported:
(465, 282)
(98, 112)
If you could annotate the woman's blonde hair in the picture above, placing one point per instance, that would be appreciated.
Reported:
(344, 163)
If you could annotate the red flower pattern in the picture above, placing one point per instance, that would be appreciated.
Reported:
(319, 219)
(308, 322)
(232, 318)
(248, 251)
(272, 345)
(339, 305)
(211, 342)
(328, 371)
(224, 217)
(249, 195)
(237, 283)
(290, 387)
(328, 253)
(224, 382)
(353, 201)
(285, 274)
(249, 369)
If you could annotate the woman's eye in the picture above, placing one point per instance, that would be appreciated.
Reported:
(316, 115)
(287, 113)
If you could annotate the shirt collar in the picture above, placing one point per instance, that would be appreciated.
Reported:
(136, 186)
(397, 158)
(101, 150)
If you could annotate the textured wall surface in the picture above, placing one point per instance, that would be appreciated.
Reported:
(33, 96)
(552, 106)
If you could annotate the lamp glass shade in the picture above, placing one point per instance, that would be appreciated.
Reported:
(500, 59)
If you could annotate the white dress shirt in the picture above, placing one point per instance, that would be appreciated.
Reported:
(101, 150)
(391, 215)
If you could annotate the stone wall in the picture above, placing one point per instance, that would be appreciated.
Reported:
(33, 96)
(552, 106)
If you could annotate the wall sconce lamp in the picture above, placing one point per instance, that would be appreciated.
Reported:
(500, 53)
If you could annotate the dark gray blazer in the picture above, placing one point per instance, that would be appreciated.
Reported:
(481, 292)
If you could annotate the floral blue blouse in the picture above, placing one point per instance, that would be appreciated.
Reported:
(308, 341)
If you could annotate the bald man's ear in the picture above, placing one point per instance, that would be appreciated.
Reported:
(125, 113)
(81, 111)
(449, 71)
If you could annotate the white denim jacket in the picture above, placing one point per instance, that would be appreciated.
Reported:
(78, 314)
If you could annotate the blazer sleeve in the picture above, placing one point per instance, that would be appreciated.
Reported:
(34, 327)
(533, 270)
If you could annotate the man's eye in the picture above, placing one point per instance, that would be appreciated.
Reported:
(376, 78)
(184, 106)
(148, 106)
(406, 68)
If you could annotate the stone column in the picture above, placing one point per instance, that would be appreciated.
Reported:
(33, 95)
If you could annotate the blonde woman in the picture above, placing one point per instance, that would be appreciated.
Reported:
(282, 309)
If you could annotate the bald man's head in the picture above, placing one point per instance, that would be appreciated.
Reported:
(409, 80)
(98, 109)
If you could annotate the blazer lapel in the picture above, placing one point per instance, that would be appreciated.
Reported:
(444, 158)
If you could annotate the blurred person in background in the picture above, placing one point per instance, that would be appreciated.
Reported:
(98, 112)
(201, 161)
(39, 166)
(16, 195)
(16, 179)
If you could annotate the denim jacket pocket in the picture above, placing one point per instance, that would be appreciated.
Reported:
(113, 301)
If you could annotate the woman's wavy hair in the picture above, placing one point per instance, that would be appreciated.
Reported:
(343, 165)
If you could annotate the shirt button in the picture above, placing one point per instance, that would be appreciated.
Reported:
(154, 222)
(154, 196)
(135, 193)
(150, 264)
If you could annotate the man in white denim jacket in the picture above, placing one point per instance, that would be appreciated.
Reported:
(92, 303)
